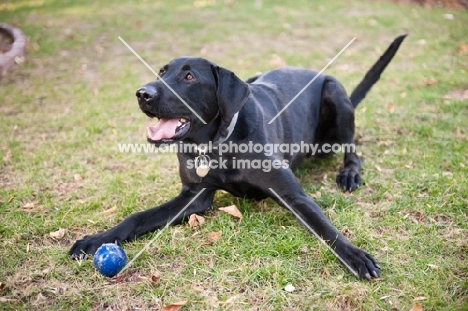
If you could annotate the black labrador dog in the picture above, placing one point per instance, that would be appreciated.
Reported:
(201, 104)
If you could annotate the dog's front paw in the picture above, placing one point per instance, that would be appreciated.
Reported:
(361, 262)
(88, 245)
(348, 179)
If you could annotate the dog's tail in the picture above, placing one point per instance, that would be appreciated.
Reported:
(373, 75)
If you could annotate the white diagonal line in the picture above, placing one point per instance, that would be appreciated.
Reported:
(161, 231)
(313, 79)
(167, 85)
(315, 233)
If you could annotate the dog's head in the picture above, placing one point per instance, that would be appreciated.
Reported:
(194, 100)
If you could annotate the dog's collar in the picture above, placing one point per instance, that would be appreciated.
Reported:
(230, 129)
(203, 161)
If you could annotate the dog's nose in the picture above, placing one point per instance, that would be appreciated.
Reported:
(146, 93)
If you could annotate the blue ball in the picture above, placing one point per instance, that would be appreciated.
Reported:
(109, 259)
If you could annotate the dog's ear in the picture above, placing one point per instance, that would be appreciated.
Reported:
(231, 93)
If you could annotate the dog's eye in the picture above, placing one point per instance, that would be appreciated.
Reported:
(189, 77)
(162, 72)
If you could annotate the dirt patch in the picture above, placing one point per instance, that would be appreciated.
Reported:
(453, 4)
(457, 95)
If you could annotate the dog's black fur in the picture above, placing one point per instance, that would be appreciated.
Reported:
(323, 113)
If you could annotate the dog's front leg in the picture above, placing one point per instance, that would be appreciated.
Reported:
(287, 191)
(140, 223)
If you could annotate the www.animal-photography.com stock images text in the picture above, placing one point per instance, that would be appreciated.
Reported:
(234, 155)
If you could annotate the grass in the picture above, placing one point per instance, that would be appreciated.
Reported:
(64, 111)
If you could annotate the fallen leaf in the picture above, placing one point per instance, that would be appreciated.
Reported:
(142, 278)
(7, 156)
(196, 220)
(77, 177)
(214, 236)
(127, 277)
(430, 81)
(464, 48)
(2, 286)
(175, 306)
(346, 231)
(59, 234)
(277, 61)
(317, 195)
(230, 300)
(29, 205)
(457, 95)
(416, 307)
(420, 298)
(155, 279)
(384, 143)
(109, 210)
(458, 133)
(19, 59)
(289, 288)
(232, 209)
(3, 299)
(449, 16)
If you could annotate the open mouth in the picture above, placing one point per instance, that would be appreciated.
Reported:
(168, 130)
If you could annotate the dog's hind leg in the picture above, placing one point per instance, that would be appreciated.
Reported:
(339, 128)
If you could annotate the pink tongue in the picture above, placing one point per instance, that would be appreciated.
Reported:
(165, 128)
